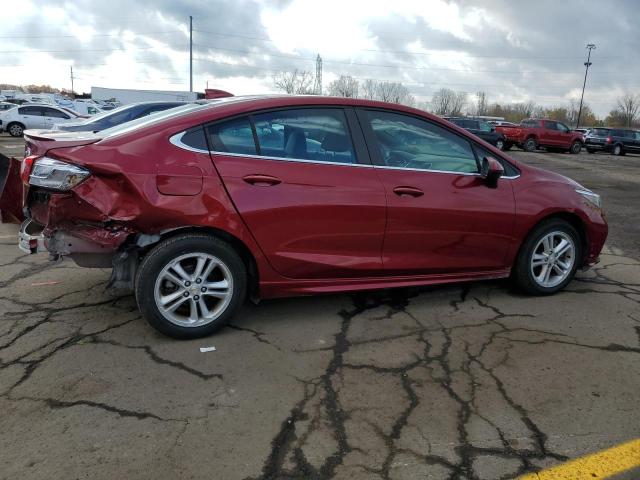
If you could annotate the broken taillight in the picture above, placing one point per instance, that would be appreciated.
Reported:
(56, 174)
(26, 166)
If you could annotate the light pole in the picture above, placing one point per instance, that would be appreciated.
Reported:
(587, 64)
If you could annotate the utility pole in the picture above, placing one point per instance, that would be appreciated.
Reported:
(72, 81)
(190, 53)
(587, 64)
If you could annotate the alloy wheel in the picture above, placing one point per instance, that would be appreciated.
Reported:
(193, 289)
(553, 259)
(500, 145)
(15, 130)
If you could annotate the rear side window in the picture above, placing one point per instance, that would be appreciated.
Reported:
(232, 136)
(195, 138)
(530, 123)
(319, 134)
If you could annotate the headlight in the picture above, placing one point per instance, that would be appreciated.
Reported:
(589, 195)
(57, 175)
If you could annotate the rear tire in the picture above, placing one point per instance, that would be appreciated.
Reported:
(530, 145)
(535, 259)
(500, 145)
(190, 285)
(617, 150)
(15, 129)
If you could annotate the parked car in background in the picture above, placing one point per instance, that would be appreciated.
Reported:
(287, 195)
(534, 133)
(496, 123)
(6, 106)
(33, 116)
(583, 131)
(117, 116)
(618, 141)
(482, 129)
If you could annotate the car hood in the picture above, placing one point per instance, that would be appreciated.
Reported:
(549, 176)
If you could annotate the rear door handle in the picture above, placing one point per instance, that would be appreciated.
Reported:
(411, 191)
(261, 180)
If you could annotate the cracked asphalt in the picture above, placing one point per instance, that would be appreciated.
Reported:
(459, 382)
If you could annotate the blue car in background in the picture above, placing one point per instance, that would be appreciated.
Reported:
(117, 116)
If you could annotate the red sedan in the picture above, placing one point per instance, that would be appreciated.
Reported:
(198, 207)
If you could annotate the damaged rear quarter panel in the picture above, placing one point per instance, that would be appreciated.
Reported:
(124, 194)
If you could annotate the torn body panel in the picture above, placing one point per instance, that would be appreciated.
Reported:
(129, 202)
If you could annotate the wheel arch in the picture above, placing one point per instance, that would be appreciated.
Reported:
(146, 242)
(573, 219)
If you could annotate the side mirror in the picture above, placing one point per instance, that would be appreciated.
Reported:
(491, 171)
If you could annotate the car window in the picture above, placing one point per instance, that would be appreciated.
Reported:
(629, 134)
(530, 123)
(318, 134)
(116, 118)
(232, 136)
(36, 111)
(562, 127)
(509, 170)
(637, 135)
(195, 138)
(485, 127)
(54, 113)
(409, 142)
(600, 132)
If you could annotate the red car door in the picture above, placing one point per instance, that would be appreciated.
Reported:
(306, 190)
(550, 134)
(441, 215)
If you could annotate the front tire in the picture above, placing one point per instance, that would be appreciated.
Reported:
(191, 285)
(576, 147)
(15, 129)
(548, 258)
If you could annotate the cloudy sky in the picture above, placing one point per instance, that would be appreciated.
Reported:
(512, 50)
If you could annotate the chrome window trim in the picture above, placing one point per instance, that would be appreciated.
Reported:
(299, 160)
(451, 172)
(177, 141)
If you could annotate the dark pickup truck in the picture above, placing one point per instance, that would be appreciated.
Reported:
(534, 133)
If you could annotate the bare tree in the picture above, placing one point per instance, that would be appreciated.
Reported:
(447, 102)
(392, 92)
(345, 86)
(481, 103)
(369, 90)
(628, 105)
(300, 82)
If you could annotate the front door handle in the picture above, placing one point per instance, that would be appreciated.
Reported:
(411, 191)
(261, 180)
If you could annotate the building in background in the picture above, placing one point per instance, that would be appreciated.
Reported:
(126, 96)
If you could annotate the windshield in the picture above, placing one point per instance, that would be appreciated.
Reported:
(150, 119)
